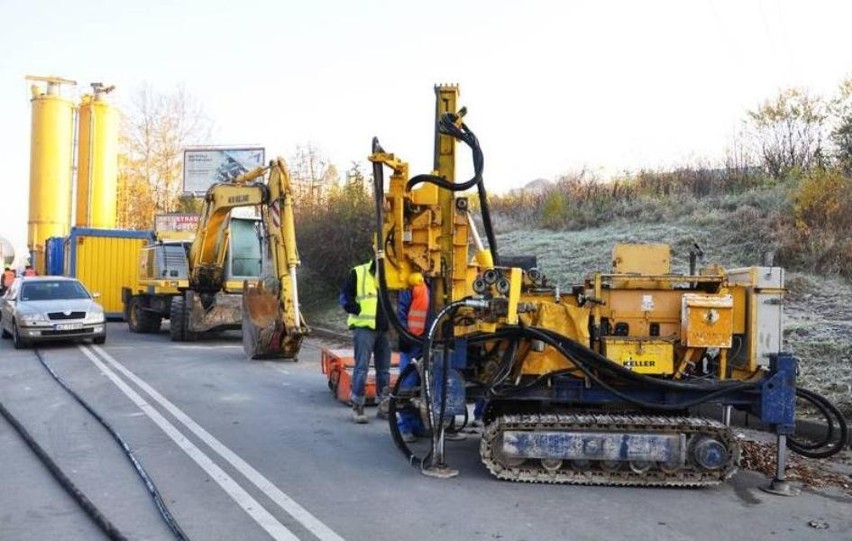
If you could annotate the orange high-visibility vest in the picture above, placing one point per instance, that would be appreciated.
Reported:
(418, 310)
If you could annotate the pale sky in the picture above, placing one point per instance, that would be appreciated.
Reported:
(551, 87)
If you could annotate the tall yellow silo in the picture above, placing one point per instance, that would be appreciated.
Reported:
(97, 160)
(50, 165)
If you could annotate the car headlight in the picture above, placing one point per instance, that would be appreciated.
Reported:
(95, 317)
(33, 319)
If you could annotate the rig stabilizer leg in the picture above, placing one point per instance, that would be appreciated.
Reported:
(437, 467)
(440, 472)
(779, 485)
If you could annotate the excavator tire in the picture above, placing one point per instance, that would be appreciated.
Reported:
(140, 320)
(177, 319)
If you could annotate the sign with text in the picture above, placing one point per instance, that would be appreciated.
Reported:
(175, 222)
(203, 167)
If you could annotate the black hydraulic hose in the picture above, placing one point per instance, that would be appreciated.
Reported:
(103, 523)
(447, 126)
(436, 425)
(826, 449)
(439, 182)
(590, 358)
(711, 393)
(828, 437)
(414, 460)
(137, 466)
(489, 229)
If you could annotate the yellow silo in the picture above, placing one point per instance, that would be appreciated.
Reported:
(50, 165)
(97, 160)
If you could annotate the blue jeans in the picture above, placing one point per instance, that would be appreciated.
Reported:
(409, 421)
(369, 342)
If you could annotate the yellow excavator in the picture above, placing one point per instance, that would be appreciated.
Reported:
(601, 383)
(200, 287)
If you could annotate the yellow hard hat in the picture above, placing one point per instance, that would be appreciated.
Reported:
(415, 279)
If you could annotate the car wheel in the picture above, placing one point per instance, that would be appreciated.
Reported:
(19, 342)
(99, 340)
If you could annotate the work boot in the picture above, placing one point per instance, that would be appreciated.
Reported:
(358, 414)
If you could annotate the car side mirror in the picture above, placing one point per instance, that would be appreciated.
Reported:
(96, 295)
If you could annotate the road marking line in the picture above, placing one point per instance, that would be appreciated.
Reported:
(285, 502)
(251, 506)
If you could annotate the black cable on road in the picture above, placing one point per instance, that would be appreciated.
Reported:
(103, 523)
(146, 479)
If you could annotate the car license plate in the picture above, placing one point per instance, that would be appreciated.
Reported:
(68, 326)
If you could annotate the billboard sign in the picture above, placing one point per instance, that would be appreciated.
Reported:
(203, 167)
(175, 222)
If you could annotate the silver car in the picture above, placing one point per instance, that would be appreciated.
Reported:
(42, 308)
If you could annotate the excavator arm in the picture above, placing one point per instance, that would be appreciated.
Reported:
(272, 322)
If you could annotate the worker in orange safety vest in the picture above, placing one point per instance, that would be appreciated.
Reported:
(413, 312)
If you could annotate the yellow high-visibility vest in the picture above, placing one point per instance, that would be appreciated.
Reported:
(367, 296)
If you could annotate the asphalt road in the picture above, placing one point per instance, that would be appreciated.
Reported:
(244, 450)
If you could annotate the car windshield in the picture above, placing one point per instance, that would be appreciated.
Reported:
(46, 290)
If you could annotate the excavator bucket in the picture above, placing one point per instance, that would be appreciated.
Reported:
(264, 333)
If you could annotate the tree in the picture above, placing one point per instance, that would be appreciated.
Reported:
(154, 131)
(789, 131)
(338, 234)
(312, 175)
(841, 134)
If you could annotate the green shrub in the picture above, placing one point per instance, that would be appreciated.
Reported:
(336, 235)
(818, 235)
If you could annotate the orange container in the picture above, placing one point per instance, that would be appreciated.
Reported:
(338, 365)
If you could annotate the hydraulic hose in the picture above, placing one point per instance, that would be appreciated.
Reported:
(587, 364)
(447, 125)
(828, 446)
(590, 358)
(396, 436)
(587, 360)
(437, 424)
(137, 466)
(91, 510)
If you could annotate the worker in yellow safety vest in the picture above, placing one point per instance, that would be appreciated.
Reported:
(359, 297)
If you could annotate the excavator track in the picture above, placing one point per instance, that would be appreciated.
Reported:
(690, 435)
